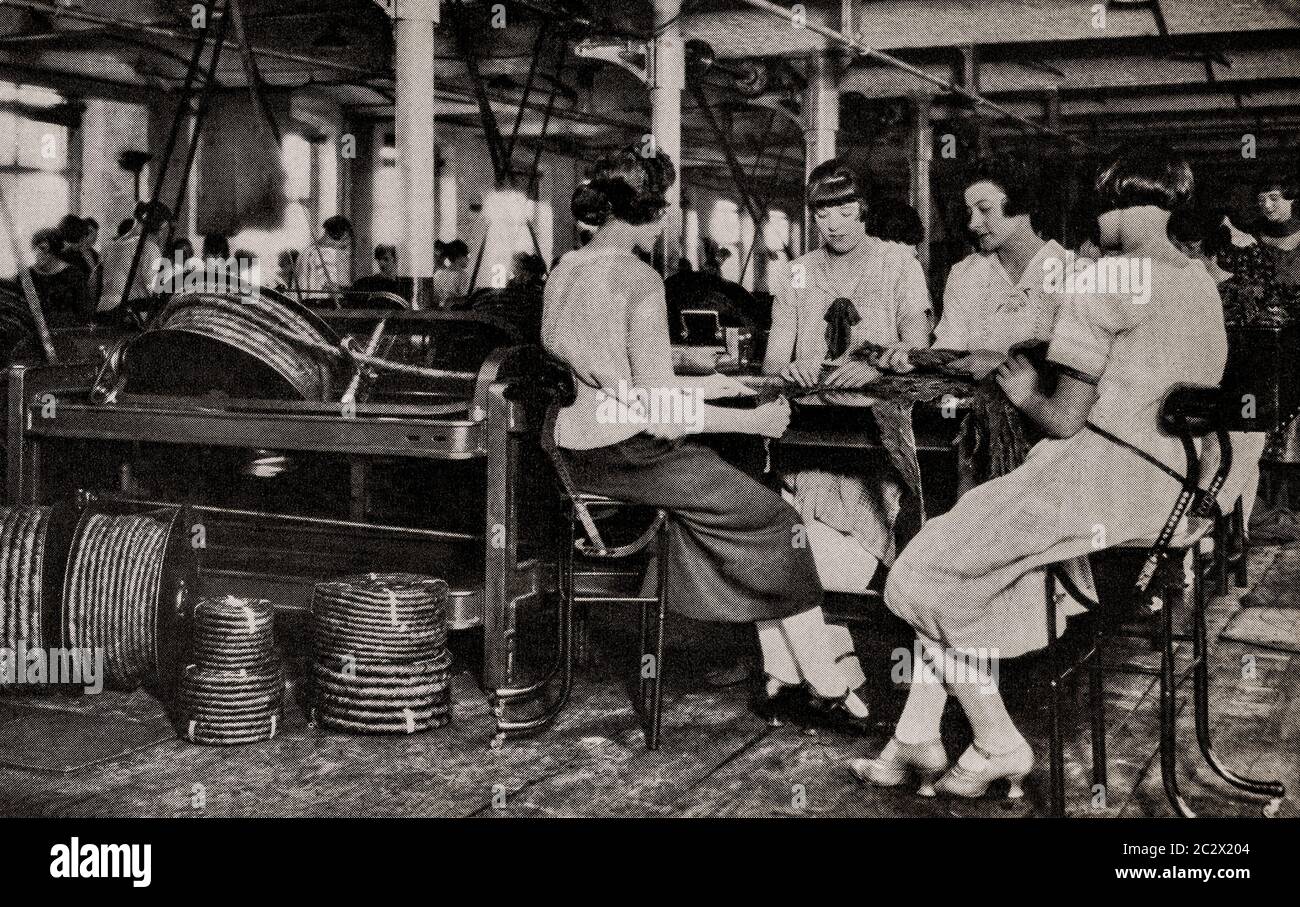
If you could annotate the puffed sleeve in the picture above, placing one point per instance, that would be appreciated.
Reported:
(784, 316)
(912, 295)
(1086, 327)
(649, 350)
(952, 332)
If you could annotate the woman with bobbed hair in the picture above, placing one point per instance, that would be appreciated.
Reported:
(735, 548)
(971, 582)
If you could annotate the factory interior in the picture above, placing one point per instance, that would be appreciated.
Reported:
(280, 395)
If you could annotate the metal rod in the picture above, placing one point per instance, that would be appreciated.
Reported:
(182, 105)
(309, 520)
(880, 56)
(733, 163)
(205, 98)
(496, 144)
(528, 87)
(251, 73)
(350, 395)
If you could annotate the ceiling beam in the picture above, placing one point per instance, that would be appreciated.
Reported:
(902, 24)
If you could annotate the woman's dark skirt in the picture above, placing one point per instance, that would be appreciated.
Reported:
(736, 550)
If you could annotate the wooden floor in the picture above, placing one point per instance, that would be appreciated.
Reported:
(717, 758)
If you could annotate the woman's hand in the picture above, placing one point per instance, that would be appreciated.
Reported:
(895, 358)
(803, 372)
(1018, 379)
(978, 363)
(771, 419)
(717, 385)
(852, 375)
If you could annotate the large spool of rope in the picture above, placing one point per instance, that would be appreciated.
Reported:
(33, 552)
(124, 591)
(233, 690)
(381, 663)
(247, 346)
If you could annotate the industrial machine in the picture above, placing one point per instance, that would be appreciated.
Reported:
(310, 445)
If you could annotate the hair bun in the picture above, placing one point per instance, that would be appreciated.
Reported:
(591, 206)
(627, 185)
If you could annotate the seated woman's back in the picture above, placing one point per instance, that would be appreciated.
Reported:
(1176, 336)
(603, 315)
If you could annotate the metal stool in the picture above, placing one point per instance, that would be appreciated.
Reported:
(648, 704)
(1187, 412)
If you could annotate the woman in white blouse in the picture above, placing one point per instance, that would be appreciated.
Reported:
(997, 297)
(735, 549)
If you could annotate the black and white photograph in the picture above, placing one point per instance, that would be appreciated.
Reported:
(882, 411)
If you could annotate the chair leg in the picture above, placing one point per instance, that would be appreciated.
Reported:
(1172, 593)
(656, 684)
(581, 612)
(1056, 750)
(1097, 707)
(1241, 571)
(1201, 697)
(1223, 554)
(643, 649)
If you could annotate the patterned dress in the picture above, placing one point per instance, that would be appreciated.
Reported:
(886, 286)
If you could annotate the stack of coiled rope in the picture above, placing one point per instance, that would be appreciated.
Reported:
(233, 692)
(381, 663)
(23, 533)
(111, 596)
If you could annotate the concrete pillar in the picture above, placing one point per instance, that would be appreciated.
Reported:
(821, 122)
(413, 64)
(922, 150)
(668, 79)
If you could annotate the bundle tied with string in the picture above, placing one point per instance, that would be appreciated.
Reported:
(381, 663)
(233, 690)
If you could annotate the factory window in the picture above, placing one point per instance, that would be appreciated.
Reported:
(33, 165)
(691, 240)
(724, 237)
(386, 220)
(303, 212)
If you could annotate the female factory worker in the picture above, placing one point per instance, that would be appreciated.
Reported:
(855, 288)
(995, 298)
(1117, 355)
(733, 544)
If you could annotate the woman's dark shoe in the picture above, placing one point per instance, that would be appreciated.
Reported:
(778, 702)
(729, 675)
(832, 713)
